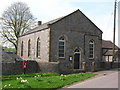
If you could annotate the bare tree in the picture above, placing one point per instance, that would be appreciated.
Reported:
(16, 20)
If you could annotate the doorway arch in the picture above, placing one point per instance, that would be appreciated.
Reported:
(76, 59)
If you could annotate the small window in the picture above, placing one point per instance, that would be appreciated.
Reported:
(29, 48)
(91, 49)
(22, 48)
(61, 47)
(38, 47)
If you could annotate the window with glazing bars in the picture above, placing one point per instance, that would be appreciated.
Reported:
(61, 47)
(22, 48)
(38, 47)
(29, 48)
(91, 49)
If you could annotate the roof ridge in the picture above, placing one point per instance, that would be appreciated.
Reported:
(66, 16)
(48, 23)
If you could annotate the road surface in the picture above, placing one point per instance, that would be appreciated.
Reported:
(105, 79)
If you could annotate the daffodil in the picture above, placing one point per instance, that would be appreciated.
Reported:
(9, 85)
(23, 81)
(65, 76)
(5, 86)
(62, 75)
(39, 75)
(17, 78)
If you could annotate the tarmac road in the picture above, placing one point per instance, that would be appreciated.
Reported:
(105, 79)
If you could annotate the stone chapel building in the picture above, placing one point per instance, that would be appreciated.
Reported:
(72, 42)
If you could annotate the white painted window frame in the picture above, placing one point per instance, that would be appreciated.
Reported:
(64, 47)
(93, 43)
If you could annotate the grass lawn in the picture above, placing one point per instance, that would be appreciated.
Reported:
(42, 80)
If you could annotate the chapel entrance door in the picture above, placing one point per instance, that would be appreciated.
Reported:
(76, 59)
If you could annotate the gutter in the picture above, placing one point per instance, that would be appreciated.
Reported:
(33, 32)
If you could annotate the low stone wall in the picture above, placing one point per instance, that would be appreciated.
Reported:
(97, 66)
(48, 67)
(16, 67)
(109, 65)
(90, 66)
(42, 67)
(11, 68)
(32, 67)
(116, 65)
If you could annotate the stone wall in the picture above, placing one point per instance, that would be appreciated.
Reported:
(40, 67)
(16, 68)
(109, 65)
(49, 67)
(44, 48)
(32, 67)
(77, 31)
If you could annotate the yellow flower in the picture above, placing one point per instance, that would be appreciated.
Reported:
(65, 76)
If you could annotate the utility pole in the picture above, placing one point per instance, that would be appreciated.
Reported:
(114, 28)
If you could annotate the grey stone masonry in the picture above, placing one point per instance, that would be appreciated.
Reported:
(77, 30)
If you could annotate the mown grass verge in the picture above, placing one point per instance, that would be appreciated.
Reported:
(47, 80)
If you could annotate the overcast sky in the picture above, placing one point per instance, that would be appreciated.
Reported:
(98, 11)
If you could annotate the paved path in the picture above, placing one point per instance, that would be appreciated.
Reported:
(105, 79)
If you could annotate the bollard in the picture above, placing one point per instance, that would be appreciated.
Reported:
(83, 66)
(93, 67)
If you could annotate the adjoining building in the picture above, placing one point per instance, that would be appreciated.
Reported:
(69, 43)
(107, 50)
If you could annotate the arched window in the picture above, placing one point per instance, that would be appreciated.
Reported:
(22, 48)
(38, 47)
(29, 48)
(61, 47)
(91, 49)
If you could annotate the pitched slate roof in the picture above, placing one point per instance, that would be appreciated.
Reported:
(108, 44)
(46, 25)
(42, 26)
